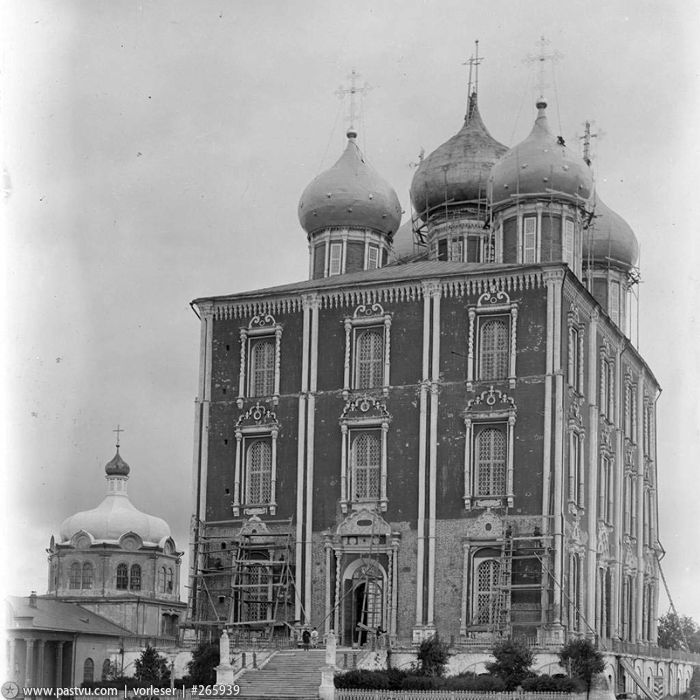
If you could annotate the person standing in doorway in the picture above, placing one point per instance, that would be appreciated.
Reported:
(306, 638)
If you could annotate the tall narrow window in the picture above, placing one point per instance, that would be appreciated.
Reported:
(573, 369)
(88, 671)
(576, 469)
(615, 305)
(493, 347)
(574, 592)
(161, 579)
(369, 358)
(486, 591)
(122, 577)
(135, 578)
(106, 669)
(605, 490)
(262, 367)
(74, 576)
(569, 243)
(457, 250)
(88, 576)
(372, 257)
(258, 472)
(530, 239)
(258, 594)
(335, 259)
(365, 466)
(490, 453)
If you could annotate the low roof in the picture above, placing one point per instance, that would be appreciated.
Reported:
(55, 615)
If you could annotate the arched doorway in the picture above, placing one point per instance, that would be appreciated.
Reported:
(364, 601)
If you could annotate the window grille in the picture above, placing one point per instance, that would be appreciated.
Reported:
(372, 257)
(493, 348)
(457, 250)
(258, 472)
(88, 576)
(135, 578)
(615, 302)
(262, 367)
(88, 671)
(74, 576)
(569, 243)
(369, 361)
(573, 357)
(122, 577)
(366, 464)
(490, 462)
(486, 591)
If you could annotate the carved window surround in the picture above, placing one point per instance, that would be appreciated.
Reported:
(260, 326)
(363, 413)
(491, 406)
(491, 303)
(576, 345)
(257, 422)
(365, 315)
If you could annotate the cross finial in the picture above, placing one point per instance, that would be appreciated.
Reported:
(353, 90)
(118, 430)
(473, 62)
(544, 54)
(587, 139)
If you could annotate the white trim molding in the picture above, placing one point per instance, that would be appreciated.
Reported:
(260, 326)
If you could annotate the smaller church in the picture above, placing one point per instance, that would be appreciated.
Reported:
(114, 582)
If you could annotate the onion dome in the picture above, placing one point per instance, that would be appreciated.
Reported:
(540, 165)
(350, 194)
(116, 515)
(610, 239)
(117, 466)
(457, 171)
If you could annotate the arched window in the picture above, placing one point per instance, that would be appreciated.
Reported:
(258, 472)
(88, 575)
(262, 367)
(135, 578)
(365, 466)
(169, 586)
(88, 670)
(493, 348)
(106, 669)
(74, 576)
(369, 358)
(122, 577)
(486, 591)
(161, 579)
(490, 452)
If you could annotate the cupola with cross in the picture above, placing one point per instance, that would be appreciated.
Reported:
(349, 212)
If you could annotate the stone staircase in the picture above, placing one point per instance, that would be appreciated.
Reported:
(292, 673)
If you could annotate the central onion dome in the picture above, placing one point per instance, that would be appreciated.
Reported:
(350, 194)
(116, 515)
(458, 171)
(610, 239)
(540, 165)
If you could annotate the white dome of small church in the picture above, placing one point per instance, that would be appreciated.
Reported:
(116, 516)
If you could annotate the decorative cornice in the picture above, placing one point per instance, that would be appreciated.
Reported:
(365, 408)
(491, 401)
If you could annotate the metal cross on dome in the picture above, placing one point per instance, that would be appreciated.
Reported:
(352, 91)
(544, 55)
(118, 430)
(473, 62)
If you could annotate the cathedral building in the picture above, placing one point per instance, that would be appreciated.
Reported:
(446, 427)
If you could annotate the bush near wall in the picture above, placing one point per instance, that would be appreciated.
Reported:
(405, 680)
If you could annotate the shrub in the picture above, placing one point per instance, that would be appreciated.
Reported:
(201, 668)
(471, 682)
(433, 656)
(584, 660)
(551, 684)
(512, 664)
(360, 678)
(422, 683)
(152, 668)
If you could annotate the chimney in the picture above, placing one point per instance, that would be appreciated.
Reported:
(32, 599)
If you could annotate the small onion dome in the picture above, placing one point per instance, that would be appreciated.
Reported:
(540, 165)
(457, 171)
(117, 466)
(610, 239)
(352, 194)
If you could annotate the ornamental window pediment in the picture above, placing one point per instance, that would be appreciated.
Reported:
(259, 371)
(491, 350)
(367, 350)
(489, 421)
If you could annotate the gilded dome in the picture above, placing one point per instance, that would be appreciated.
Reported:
(457, 171)
(116, 515)
(540, 165)
(352, 194)
(610, 239)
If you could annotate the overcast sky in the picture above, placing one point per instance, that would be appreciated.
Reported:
(155, 152)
